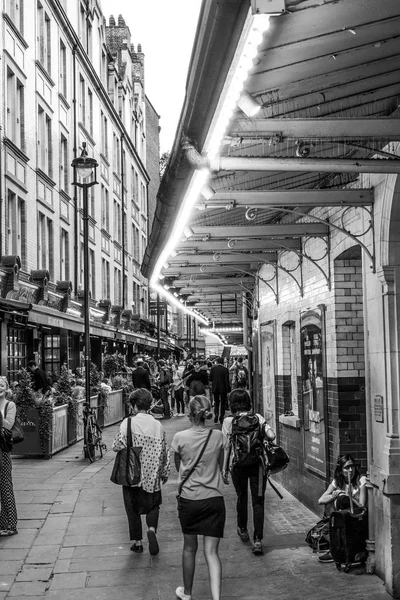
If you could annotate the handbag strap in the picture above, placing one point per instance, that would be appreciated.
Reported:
(129, 434)
(5, 409)
(184, 480)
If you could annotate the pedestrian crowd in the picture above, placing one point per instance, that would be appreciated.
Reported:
(202, 456)
(206, 457)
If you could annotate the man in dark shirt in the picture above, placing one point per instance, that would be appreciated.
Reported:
(219, 377)
(140, 376)
(39, 379)
(197, 381)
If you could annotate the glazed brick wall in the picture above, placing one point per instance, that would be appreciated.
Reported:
(344, 341)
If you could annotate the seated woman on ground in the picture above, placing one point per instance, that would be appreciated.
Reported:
(336, 496)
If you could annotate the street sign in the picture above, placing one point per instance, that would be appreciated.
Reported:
(157, 307)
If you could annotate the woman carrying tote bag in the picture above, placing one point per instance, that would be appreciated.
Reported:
(145, 497)
(8, 514)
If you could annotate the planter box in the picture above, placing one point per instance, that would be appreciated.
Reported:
(65, 432)
(114, 413)
(57, 441)
(116, 408)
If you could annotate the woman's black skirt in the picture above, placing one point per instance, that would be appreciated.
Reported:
(202, 517)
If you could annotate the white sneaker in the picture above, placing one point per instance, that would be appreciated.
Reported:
(180, 593)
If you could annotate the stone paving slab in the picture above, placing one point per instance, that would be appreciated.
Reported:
(77, 546)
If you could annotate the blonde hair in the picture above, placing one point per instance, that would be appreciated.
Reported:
(6, 380)
(199, 409)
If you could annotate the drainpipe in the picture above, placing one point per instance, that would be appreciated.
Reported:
(370, 542)
(76, 249)
(246, 339)
(123, 222)
(2, 219)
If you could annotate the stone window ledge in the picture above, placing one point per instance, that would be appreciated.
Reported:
(290, 421)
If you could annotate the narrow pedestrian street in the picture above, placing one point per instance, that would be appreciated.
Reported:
(73, 542)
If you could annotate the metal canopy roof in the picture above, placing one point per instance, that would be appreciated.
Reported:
(328, 81)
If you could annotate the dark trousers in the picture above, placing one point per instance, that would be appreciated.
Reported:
(138, 502)
(8, 514)
(241, 475)
(164, 400)
(180, 405)
(220, 401)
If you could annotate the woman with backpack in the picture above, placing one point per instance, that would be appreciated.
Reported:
(198, 454)
(245, 430)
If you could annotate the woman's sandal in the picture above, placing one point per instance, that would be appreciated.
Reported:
(138, 548)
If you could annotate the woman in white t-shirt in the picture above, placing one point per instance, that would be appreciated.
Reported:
(201, 504)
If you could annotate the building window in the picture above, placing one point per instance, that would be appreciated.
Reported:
(64, 164)
(63, 69)
(92, 273)
(103, 75)
(44, 142)
(17, 350)
(105, 278)
(64, 255)
(44, 38)
(117, 222)
(143, 199)
(89, 39)
(15, 226)
(15, 10)
(82, 101)
(104, 135)
(144, 244)
(83, 27)
(116, 154)
(132, 183)
(135, 243)
(136, 297)
(145, 301)
(51, 356)
(105, 209)
(90, 112)
(15, 109)
(117, 287)
(45, 250)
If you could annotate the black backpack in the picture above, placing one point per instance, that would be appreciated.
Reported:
(246, 439)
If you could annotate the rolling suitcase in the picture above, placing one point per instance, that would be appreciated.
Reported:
(348, 531)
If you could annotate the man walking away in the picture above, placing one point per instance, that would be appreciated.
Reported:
(140, 376)
(220, 387)
(165, 382)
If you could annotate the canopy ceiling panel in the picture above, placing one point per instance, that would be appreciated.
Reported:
(327, 80)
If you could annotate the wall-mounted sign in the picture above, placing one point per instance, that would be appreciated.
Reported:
(268, 357)
(314, 391)
(378, 408)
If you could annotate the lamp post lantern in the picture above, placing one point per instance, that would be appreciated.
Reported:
(85, 171)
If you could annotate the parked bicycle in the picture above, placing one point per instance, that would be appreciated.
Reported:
(93, 445)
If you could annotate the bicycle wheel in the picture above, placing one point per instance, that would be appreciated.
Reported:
(90, 440)
(99, 437)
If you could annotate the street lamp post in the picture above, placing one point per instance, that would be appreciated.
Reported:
(85, 171)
